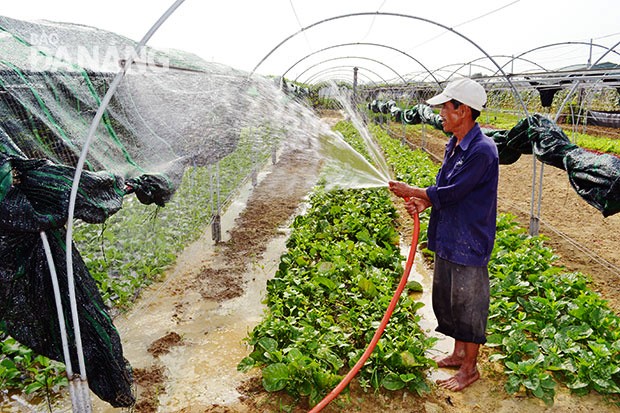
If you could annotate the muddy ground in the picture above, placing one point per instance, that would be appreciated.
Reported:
(583, 239)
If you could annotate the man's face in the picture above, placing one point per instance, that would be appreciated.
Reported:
(451, 118)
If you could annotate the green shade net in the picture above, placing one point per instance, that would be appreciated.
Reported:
(37, 201)
(595, 177)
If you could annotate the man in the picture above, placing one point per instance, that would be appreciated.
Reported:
(461, 229)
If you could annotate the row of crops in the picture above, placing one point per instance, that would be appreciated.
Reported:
(546, 325)
(335, 281)
(504, 120)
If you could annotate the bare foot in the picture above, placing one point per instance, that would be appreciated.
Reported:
(459, 381)
(451, 361)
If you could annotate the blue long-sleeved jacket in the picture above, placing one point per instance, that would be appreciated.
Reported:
(462, 225)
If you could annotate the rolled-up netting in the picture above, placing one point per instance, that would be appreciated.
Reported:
(172, 111)
(594, 176)
(36, 200)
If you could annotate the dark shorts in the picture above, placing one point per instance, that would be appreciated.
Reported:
(461, 300)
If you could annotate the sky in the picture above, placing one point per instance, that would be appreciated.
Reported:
(425, 36)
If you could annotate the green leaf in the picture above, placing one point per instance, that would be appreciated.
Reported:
(301, 261)
(6, 179)
(538, 392)
(577, 384)
(512, 366)
(513, 384)
(548, 383)
(496, 356)
(392, 381)
(305, 388)
(414, 287)
(367, 286)
(532, 383)
(268, 344)
(294, 354)
(408, 377)
(364, 236)
(246, 364)
(494, 340)
(275, 377)
(325, 282)
(32, 387)
(409, 360)
(579, 332)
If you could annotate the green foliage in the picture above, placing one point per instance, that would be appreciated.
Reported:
(325, 301)
(499, 119)
(546, 324)
(324, 103)
(352, 137)
(335, 281)
(117, 255)
(598, 144)
(333, 285)
(411, 166)
(23, 370)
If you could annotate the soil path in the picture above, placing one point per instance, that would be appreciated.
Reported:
(185, 337)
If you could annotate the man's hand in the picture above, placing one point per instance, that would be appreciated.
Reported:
(401, 189)
(416, 199)
(416, 205)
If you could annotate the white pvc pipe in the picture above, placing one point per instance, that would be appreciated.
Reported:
(61, 318)
(78, 173)
(79, 392)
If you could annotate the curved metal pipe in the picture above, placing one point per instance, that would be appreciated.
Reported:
(535, 219)
(351, 57)
(567, 43)
(577, 80)
(512, 59)
(398, 15)
(362, 44)
(471, 63)
(453, 72)
(308, 80)
(340, 77)
(78, 173)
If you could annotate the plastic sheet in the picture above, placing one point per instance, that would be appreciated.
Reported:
(607, 119)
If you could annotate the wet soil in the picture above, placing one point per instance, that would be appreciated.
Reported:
(208, 284)
(185, 335)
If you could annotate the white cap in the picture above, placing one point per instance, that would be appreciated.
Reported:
(464, 90)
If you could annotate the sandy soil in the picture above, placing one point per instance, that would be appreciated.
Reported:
(580, 235)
